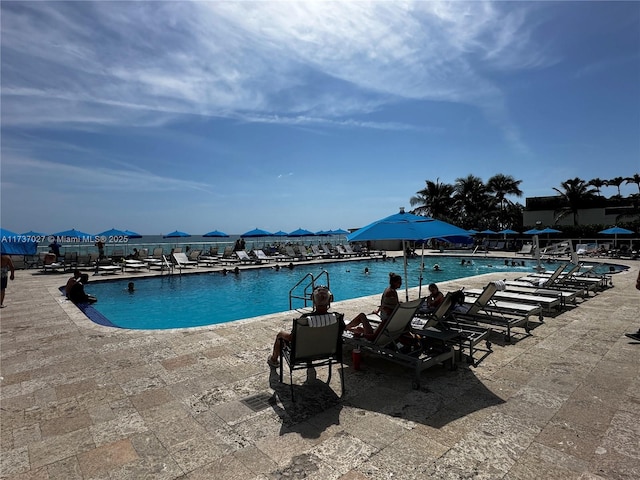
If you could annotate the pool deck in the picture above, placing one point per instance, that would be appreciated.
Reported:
(82, 401)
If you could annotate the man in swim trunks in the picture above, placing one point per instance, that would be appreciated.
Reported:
(6, 267)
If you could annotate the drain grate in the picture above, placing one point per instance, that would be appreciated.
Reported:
(257, 402)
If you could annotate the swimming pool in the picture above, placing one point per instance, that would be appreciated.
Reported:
(180, 301)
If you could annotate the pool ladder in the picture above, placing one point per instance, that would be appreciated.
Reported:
(307, 284)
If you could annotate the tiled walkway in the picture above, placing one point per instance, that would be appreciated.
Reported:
(81, 401)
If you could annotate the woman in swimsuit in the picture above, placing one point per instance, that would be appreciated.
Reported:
(361, 325)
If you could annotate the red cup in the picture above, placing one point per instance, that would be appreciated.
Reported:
(355, 358)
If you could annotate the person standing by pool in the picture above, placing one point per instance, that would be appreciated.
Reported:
(5, 267)
(361, 325)
(321, 297)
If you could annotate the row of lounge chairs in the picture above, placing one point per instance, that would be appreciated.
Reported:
(459, 328)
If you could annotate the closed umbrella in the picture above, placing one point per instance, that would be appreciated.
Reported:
(406, 226)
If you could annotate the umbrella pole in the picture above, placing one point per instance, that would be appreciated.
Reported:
(421, 272)
(406, 285)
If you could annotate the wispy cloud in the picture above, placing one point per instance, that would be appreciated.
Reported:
(146, 63)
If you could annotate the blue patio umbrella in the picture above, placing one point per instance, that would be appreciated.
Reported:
(32, 234)
(114, 232)
(471, 231)
(615, 231)
(301, 232)
(323, 233)
(215, 233)
(508, 231)
(176, 234)
(72, 236)
(131, 234)
(533, 231)
(280, 233)
(12, 243)
(488, 231)
(406, 226)
(339, 231)
(256, 232)
(549, 230)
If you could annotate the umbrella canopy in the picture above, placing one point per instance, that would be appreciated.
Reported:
(616, 231)
(13, 244)
(339, 231)
(549, 230)
(31, 233)
(508, 231)
(72, 236)
(131, 234)
(176, 234)
(323, 233)
(533, 231)
(256, 232)
(471, 231)
(114, 232)
(406, 226)
(301, 232)
(488, 231)
(215, 233)
(280, 233)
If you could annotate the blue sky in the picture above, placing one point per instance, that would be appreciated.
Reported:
(156, 116)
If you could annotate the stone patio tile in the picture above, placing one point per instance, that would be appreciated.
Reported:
(544, 462)
(106, 457)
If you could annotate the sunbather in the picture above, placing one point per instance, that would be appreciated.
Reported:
(321, 297)
(636, 335)
(361, 326)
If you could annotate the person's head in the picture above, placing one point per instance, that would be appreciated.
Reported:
(131, 287)
(321, 297)
(433, 288)
(395, 280)
(84, 278)
(77, 273)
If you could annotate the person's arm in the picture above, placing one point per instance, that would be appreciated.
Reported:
(638, 281)
(13, 270)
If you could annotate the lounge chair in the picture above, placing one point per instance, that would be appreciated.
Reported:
(292, 255)
(244, 257)
(564, 295)
(135, 265)
(317, 253)
(387, 343)
(182, 261)
(440, 325)
(316, 342)
(486, 310)
(527, 249)
(546, 302)
(228, 256)
(260, 255)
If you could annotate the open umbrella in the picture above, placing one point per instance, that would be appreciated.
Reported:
(488, 231)
(73, 236)
(471, 231)
(533, 231)
(256, 232)
(176, 234)
(406, 226)
(280, 233)
(12, 243)
(215, 233)
(131, 234)
(301, 232)
(114, 232)
(323, 233)
(32, 234)
(615, 231)
(549, 230)
(339, 231)
(508, 231)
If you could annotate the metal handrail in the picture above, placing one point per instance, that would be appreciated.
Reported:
(308, 288)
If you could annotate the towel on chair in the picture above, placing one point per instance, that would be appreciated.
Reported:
(322, 320)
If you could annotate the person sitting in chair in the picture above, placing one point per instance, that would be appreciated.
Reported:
(77, 293)
(434, 299)
(321, 297)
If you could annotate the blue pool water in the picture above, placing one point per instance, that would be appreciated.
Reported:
(205, 299)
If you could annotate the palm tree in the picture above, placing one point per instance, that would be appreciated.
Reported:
(434, 200)
(574, 193)
(616, 182)
(598, 184)
(502, 185)
(635, 179)
(473, 203)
